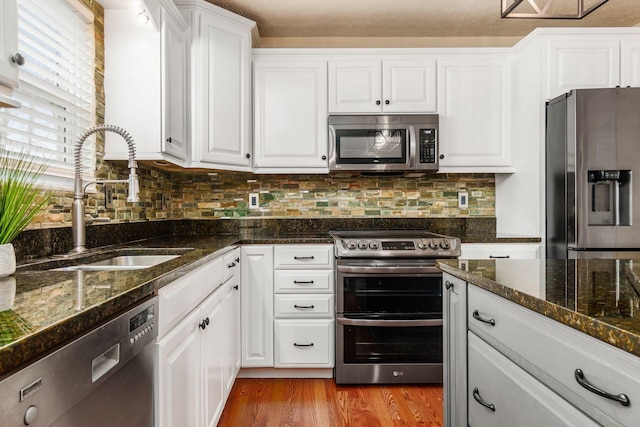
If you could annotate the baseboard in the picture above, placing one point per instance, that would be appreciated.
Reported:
(286, 373)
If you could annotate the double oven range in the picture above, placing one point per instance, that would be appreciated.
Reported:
(389, 305)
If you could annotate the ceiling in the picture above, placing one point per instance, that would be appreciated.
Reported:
(408, 18)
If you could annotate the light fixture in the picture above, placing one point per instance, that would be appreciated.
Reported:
(558, 9)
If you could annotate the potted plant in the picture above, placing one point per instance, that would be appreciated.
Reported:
(21, 200)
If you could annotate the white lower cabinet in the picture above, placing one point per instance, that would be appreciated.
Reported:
(198, 356)
(501, 394)
(454, 312)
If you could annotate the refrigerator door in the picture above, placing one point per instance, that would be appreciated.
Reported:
(603, 157)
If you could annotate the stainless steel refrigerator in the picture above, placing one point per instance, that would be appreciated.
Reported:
(593, 173)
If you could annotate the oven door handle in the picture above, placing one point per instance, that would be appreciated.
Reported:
(389, 323)
(392, 269)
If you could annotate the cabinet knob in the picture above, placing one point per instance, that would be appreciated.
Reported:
(378, 102)
(324, 157)
(204, 323)
(17, 59)
(237, 260)
(169, 140)
(448, 284)
(441, 156)
(247, 155)
(387, 102)
(236, 287)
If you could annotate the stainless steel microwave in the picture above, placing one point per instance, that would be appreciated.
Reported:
(383, 143)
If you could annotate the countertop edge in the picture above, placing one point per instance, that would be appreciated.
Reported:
(591, 326)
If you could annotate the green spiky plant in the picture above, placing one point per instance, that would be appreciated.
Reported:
(21, 197)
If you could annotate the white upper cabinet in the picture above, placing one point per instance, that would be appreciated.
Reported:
(220, 89)
(475, 105)
(145, 82)
(8, 42)
(290, 115)
(582, 63)
(630, 62)
(389, 86)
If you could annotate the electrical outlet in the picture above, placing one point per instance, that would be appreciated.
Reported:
(108, 197)
(254, 200)
(463, 200)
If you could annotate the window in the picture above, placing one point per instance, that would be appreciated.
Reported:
(56, 87)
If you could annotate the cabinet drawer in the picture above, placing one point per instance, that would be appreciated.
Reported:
(303, 256)
(552, 352)
(518, 399)
(183, 295)
(300, 281)
(306, 306)
(231, 264)
(304, 343)
(499, 250)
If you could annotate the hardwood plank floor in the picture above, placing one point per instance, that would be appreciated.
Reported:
(320, 402)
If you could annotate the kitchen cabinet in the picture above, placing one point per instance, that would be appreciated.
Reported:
(304, 326)
(220, 86)
(551, 354)
(290, 114)
(146, 83)
(198, 344)
(475, 102)
(382, 86)
(500, 250)
(501, 394)
(630, 62)
(8, 48)
(454, 311)
(582, 62)
(257, 305)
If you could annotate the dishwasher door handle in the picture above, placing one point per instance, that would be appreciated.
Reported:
(105, 362)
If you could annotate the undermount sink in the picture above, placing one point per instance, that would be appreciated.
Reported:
(122, 262)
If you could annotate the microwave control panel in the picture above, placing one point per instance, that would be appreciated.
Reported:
(427, 145)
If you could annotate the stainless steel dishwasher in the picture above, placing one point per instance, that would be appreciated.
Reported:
(104, 378)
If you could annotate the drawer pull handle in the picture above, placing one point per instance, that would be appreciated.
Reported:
(476, 396)
(476, 315)
(303, 306)
(498, 256)
(448, 285)
(233, 264)
(303, 258)
(295, 344)
(623, 399)
(303, 282)
(204, 323)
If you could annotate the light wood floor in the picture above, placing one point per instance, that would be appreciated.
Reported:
(320, 403)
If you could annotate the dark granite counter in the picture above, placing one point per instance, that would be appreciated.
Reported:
(598, 297)
(52, 307)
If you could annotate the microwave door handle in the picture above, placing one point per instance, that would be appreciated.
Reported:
(389, 323)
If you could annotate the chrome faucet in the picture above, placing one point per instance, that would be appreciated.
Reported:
(78, 218)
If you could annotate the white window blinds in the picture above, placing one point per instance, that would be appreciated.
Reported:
(56, 85)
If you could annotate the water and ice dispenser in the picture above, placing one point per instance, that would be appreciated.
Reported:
(609, 197)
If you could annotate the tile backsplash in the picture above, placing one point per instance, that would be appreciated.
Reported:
(201, 195)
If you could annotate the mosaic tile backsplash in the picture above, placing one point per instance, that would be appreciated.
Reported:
(179, 195)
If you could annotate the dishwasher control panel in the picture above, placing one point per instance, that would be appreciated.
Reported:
(141, 324)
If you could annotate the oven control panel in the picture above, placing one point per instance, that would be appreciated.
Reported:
(429, 246)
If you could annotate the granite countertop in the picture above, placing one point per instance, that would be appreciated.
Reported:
(598, 297)
(52, 307)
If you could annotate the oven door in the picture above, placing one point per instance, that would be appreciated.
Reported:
(390, 289)
(377, 351)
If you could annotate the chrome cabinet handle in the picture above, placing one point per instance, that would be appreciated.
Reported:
(448, 285)
(303, 282)
(476, 396)
(295, 344)
(476, 315)
(302, 306)
(498, 256)
(301, 258)
(622, 399)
